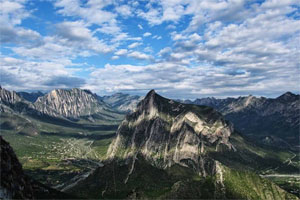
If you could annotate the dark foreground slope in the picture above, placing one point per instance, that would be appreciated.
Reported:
(169, 150)
(16, 185)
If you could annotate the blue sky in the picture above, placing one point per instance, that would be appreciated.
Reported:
(181, 48)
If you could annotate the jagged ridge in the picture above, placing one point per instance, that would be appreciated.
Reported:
(168, 133)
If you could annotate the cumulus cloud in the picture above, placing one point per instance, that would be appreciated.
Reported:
(158, 37)
(147, 34)
(121, 52)
(134, 45)
(20, 36)
(93, 12)
(178, 81)
(139, 55)
(207, 48)
(20, 74)
(124, 10)
(12, 12)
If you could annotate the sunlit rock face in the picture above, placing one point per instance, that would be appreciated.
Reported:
(72, 103)
(167, 132)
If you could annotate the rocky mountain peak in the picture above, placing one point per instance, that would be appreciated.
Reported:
(166, 132)
(71, 103)
(151, 93)
(288, 96)
(151, 97)
(9, 96)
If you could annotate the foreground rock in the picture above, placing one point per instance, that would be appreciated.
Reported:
(16, 185)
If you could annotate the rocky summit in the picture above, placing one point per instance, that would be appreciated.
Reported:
(69, 103)
(167, 133)
(170, 150)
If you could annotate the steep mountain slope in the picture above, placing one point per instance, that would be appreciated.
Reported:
(168, 132)
(75, 104)
(12, 106)
(122, 102)
(276, 119)
(10, 101)
(169, 150)
(32, 96)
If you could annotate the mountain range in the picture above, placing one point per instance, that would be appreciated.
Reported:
(58, 106)
(208, 148)
(168, 150)
(271, 121)
(274, 121)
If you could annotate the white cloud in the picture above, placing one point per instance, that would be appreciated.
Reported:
(177, 36)
(115, 57)
(71, 39)
(20, 74)
(121, 52)
(92, 12)
(217, 47)
(153, 16)
(12, 12)
(134, 45)
(124, 10)
(180, 80)
(148, 49)
(139, 55)
(157, 37)
(147, 34)
(20, 36)
(171, 26)
(177, 81)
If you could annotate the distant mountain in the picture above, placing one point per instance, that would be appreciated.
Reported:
(170, 150)
(32, 96)
(9, 97)
(11, 102)
(74, 108)
(122, 102)
(74, 104)
(16, 185)
(262, 117)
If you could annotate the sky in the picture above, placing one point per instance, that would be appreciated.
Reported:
(181, 48)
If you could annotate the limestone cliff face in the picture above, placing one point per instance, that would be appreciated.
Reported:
(9, 97)
(72, 103)
(10, 101)
(166, 133)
